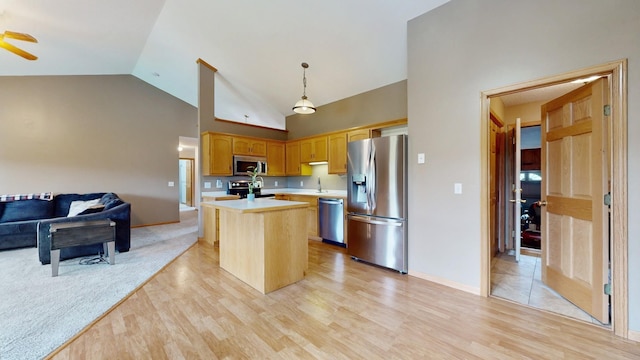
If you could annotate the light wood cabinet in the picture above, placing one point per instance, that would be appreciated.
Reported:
(217, 154)
(249, 146)
(211, 218)
(312, 211)
(293, 166)
(313, 149)
(338, 154)
(276, 158)
(361, 134)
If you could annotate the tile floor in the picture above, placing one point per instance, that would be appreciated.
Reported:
(521, 282)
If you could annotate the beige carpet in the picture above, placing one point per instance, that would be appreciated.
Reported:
(39, 313)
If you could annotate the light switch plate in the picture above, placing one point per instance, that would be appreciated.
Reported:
(301, 183)
(276, 183)
(457, 188)
(171, 184)
(219, 184)
(421, 158)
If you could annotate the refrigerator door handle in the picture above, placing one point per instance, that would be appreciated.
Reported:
(375, 222)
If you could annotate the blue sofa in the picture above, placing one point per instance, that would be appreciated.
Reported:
(24, 223)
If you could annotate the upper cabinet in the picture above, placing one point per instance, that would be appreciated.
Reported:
(249, 146)
(338, 153)
(294, 167)
(313, 149)
(361, 134)
(217, 154)
(276, 158)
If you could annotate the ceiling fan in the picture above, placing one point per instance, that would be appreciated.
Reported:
(17, 36)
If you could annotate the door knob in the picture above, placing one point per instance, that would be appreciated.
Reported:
(543, 202)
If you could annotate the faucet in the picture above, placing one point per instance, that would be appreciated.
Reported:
(319, 185)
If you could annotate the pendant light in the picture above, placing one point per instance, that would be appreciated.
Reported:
(304, 106)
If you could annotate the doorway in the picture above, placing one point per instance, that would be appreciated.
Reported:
(615, 72)
(186, 182)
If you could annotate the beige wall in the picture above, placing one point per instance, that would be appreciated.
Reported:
(375, 106)
(450, 63)
(94, 134)
(527, 113)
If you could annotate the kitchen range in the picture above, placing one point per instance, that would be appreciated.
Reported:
(241, 188)
(377, 201)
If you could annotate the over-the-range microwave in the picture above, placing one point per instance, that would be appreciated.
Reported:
(242, 164)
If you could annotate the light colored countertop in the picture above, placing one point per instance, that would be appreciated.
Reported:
(324, 193)
(259, 205)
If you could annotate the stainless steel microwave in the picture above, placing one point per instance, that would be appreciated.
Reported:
(242, 164)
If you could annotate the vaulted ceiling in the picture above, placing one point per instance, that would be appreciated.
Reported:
(352, 46)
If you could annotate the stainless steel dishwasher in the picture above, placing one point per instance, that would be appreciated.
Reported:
(331, 214)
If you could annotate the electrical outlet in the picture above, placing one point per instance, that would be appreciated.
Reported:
(207, 185)
(301, 183)
(276, 183)
(171, 184)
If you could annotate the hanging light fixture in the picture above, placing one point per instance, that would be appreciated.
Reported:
(304, 106)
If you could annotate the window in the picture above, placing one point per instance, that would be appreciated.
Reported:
(530, 176)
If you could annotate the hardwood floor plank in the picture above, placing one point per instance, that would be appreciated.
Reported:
(342, 309)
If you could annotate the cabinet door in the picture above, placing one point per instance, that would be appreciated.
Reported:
(275, 158)
(313, 149)
(248, 146)
(338, 154)
(320, 152)
(306, 150)
(258, 148)
(217, 155)
(359, 134)
(292, 166)
(312, 213)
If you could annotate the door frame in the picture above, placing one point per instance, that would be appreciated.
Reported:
(619, 237)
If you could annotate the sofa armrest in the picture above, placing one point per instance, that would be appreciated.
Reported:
(120, 214)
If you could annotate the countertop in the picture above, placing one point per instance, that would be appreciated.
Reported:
(258, 205)
(324, 193)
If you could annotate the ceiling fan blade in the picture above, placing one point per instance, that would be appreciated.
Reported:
(19, 36)
(16, 50)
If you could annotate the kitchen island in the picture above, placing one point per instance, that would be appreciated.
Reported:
(263, 242)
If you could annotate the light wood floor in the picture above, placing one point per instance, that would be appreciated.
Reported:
(341, 310)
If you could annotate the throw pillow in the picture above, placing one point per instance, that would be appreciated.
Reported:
(79, 206)
(94, 209)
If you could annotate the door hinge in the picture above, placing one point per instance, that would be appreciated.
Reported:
(513, 234)
(607, 289)
(607, 199)
(607, 110)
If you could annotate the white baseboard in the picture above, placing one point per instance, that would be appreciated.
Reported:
(446, 282)
(634, 335)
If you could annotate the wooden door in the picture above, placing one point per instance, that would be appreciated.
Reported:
(517, 190)
(496, 174)
(189, 182)
(575, 244)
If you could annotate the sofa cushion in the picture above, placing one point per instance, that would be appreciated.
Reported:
(63, 202)
(27, 210)
(79, 206)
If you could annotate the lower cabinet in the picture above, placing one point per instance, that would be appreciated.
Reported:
(312, 211)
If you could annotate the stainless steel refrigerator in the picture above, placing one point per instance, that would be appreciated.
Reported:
(377, 201)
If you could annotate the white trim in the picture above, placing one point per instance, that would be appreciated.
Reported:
(445, 282)
(634, 335)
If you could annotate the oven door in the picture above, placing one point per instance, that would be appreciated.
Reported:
(244, 164)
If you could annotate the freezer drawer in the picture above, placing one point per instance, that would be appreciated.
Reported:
(379, 241)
